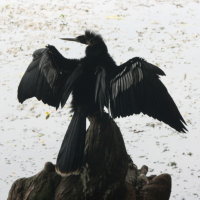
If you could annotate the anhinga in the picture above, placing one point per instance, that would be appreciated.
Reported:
(95, 82)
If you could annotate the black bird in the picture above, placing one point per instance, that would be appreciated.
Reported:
(95, 82)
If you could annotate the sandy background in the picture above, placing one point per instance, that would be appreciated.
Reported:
(166, 33)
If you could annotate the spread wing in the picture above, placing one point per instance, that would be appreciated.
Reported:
(46, 78)
(136, 88)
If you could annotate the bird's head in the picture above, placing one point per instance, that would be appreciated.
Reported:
(95, 44)
(89, 38)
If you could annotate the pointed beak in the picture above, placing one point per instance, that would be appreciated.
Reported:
(70, 39)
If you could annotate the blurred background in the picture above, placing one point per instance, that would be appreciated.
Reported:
(164, 32)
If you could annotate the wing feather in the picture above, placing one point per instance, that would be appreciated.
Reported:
(142, 91)
(101, 93)
(46, 77)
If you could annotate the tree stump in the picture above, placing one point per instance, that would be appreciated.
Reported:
(108, 173)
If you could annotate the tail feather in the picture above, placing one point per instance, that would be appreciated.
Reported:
(70, 157)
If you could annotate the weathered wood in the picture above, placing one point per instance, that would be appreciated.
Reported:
(108, 173)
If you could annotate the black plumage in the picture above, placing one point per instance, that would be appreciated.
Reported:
(95, 82)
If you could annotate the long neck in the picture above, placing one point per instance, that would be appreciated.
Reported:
(97, 49)
(97, 52)
(98, 55)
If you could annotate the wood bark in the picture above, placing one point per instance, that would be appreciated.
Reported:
(108, 173)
